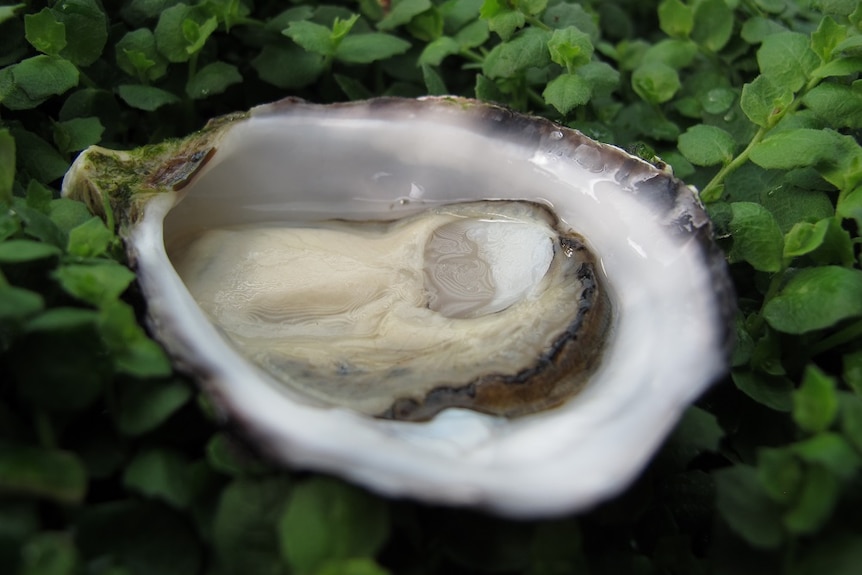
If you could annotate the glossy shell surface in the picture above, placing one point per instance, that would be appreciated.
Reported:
(390, 158)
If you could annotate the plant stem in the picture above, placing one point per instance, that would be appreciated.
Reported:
(740, 159)
(733, 165)
(840, 337)
(533, 21)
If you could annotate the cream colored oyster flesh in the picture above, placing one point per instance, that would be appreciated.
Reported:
(394, 180)
(469, 305)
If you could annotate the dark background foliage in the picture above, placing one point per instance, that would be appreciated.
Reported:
(111, 463)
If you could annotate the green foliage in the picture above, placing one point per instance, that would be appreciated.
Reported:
(108, 466)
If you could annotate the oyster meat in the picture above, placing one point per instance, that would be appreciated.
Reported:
(543, 306)
(480, 305)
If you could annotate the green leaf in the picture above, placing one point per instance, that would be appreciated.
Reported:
(827, 36)
(8, 12)
(527, 50)
(98, 284)
(227, 455)
(7, 167)
(90, 30)
(831, 451)
(77, 134)
(133, 352)
(817, 498)
(853, 371)
(655, 82)
(38, 472)
(427, 26)
(772, 391)
(38, 197)
(403, 12)
(566, 92)
(19, 251)
(170, 34)
(757, 28)
(839, 105)
(816, 298)
(138, 56)
(851, 419)
(41, 77)
(747, 509)
(18, 304)
(90, 239)
(852, 46)
(143, 405)
(502, 19)
(367, 48)
(757, 238)
(196, 34)
(326, 519)
(37, 158)
(67, 214)
(472, 35)
(435, 52)
(601, 77)
(352, 88)
(837, 7)
(570, 48)
(288, 67)
(762, 101)
(837, 246)
(433, 82)
(312, 37)
(704, 145)
(675, 53)
(159, 474)
(212, 79)
(39, 226)
(780, 474)
(49, 553)
(804, 237)
(675, 18)
(147, 98)
(839, 67)
(144, 537)
(795, 148)
(815, 403)
(63, 319)
(850, 206)
(787, 60)
(44, 32)
(342, 27)
(245, 526)
(713, 24)
(718, 100)
(700, 429)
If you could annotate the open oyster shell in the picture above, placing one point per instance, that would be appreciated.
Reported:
(663, 340)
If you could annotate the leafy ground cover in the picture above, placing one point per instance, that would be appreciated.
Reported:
(110, 462)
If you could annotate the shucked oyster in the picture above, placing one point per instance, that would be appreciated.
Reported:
(322, 270)
(479, 305)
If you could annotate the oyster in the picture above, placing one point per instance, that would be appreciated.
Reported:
(599, 304)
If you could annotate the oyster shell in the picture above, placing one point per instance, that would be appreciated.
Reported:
(398, 162)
